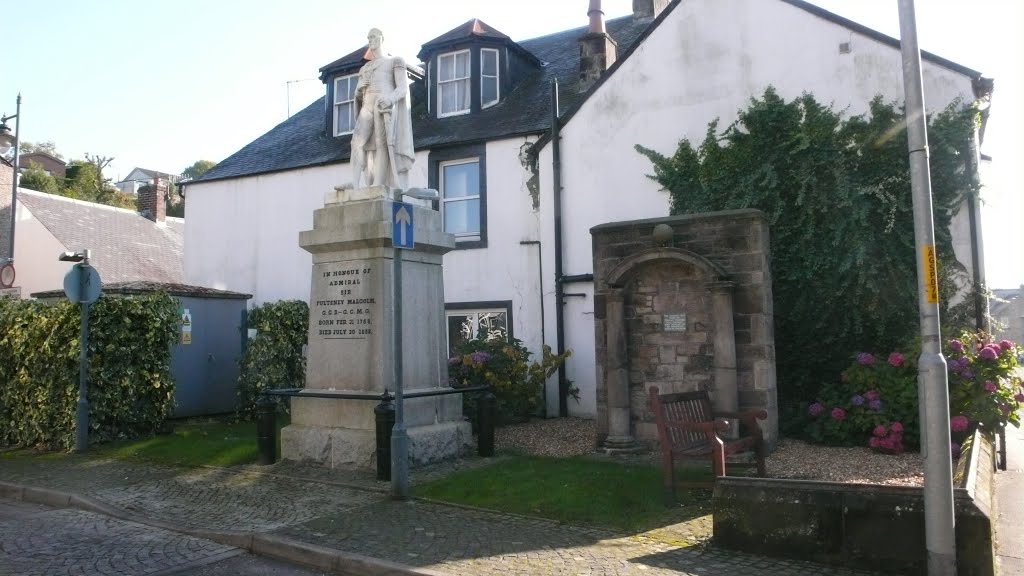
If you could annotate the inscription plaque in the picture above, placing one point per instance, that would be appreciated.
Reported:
(344, 307)
(674, 323)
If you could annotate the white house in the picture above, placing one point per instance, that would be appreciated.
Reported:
(139, 177)
(656, 76)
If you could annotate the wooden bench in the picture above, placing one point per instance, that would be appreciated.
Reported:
(688, 430)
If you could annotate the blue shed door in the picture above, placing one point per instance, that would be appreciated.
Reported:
(206, 369)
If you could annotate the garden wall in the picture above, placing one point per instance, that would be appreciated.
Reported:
(864, 526)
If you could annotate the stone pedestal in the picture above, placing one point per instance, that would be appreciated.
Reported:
(350, 333)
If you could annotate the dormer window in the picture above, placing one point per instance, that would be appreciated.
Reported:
(344, 104)
(453, 83)
(489, 81)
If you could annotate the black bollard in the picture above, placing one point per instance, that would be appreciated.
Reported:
(266, 430)
(385, 418)
(488, 408)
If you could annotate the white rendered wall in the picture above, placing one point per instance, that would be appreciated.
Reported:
(705, 61)
(35, 255)
(506, 269)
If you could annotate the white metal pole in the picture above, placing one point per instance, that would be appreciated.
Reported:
(933, 395)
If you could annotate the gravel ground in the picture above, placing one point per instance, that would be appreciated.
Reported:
(562, 437)
(558, 437)
(800, 460)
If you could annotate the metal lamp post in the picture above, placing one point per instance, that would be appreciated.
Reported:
(933, 394)
(399, 437)
(7, 141)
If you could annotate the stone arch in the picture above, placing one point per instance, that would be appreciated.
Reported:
(630, 266)
(616, 366)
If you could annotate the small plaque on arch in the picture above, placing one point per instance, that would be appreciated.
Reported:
(674, 323)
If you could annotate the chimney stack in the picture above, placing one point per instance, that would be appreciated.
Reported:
(151, 202)
(597, 49)
(648, 8)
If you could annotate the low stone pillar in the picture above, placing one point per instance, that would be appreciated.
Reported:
(619, 439)
(725, 396)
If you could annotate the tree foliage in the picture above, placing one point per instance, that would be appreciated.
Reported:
(35, 178)
(197, 169)
(48, 147)
(836, 191)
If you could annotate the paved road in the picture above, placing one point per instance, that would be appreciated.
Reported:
(1010, 525)
(40, 541)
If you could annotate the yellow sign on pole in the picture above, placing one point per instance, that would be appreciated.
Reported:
(931, 274)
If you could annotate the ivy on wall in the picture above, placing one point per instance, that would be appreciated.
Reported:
(273, 359)
(130, 386)
(837, 194)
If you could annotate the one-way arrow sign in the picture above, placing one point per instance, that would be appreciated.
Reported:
(401, 225)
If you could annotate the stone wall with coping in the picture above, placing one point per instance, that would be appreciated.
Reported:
(864, 526)
(675, 282)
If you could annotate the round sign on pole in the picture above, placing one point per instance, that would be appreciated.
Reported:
(79, 289)
(7, 275)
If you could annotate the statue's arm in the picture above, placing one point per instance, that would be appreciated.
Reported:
(401, 80)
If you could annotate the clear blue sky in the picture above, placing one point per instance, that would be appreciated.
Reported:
(162, 83)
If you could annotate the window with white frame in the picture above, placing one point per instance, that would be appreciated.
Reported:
(453, 76)
(344, 104)
(488, 77)
(460, 198)
(465, 325)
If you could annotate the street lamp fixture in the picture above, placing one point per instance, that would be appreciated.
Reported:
(7, 142)
(72, 256)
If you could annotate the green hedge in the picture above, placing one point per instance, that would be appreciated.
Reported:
(273, 359)
(131, 390)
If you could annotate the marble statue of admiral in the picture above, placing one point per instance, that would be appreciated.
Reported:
(382, 151)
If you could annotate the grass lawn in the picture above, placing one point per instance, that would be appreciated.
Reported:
(581, 491)
(193, 443)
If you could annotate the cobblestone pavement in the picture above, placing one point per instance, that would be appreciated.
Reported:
(323, 507)
(474, 542)
(45, 542)
(39, 540)
(229, 500)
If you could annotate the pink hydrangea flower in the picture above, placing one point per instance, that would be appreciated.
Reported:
(959, 423)
(838, 414)
(1005, 344)
(879, 431)
(896, 359)
(956, 345)
(871, 395)
(988, 353)
(896, 427)
(815, 409)
(865, 359)
(990, 387)
(874, 442)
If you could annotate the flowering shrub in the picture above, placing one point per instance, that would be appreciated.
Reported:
(878, 401)
(874, 402)
(985, 382)
(505, 366)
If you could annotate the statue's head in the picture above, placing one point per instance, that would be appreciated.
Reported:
(375, 38)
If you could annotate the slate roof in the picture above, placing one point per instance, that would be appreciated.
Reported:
(350, 60)
(301, 141)
(151, 287)
(125, 246)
